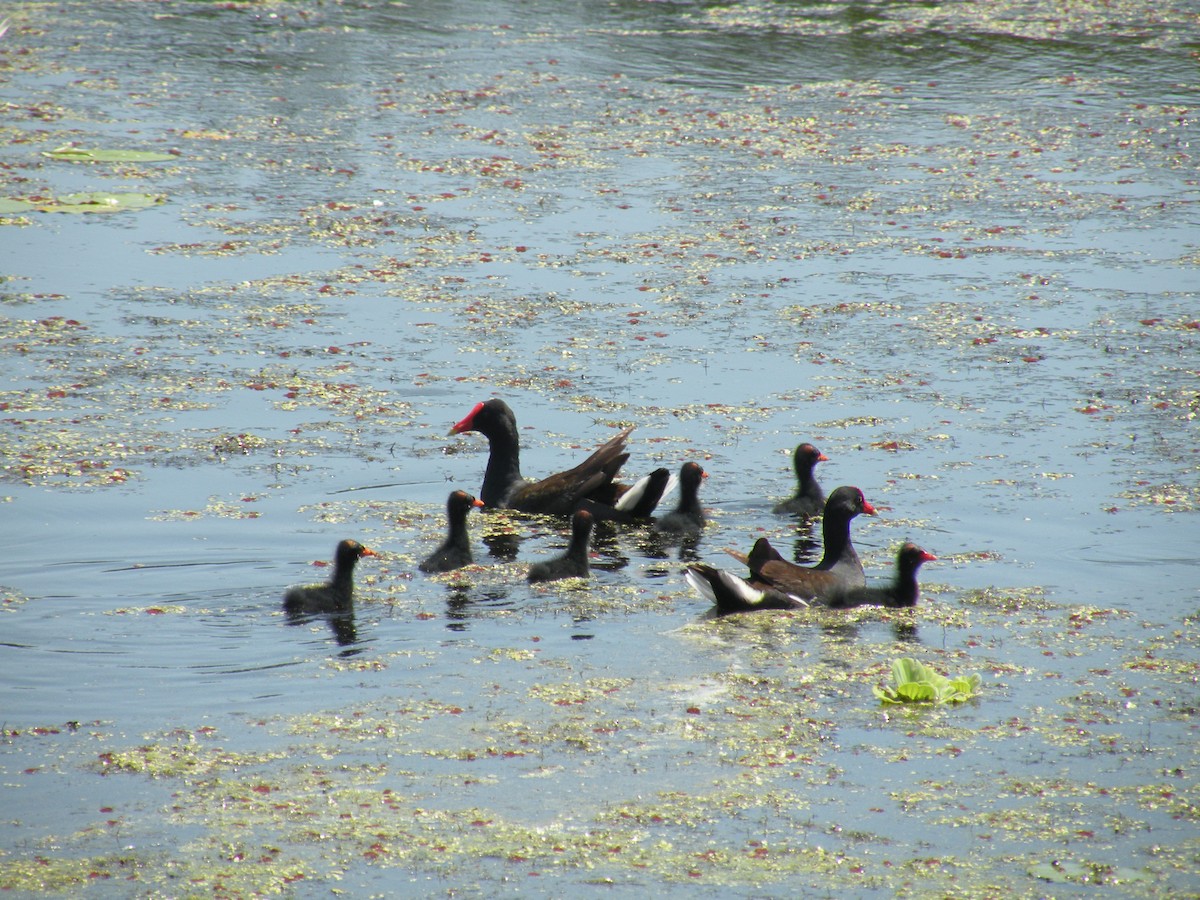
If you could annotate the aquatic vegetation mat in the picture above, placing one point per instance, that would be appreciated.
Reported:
(782, 737)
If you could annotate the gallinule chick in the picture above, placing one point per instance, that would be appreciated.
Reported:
(574, 562)
(839, 567)
(560, 494)
(338, 592)
(688, 516)
(809, 499)
(903, 591)
(637, 504)
(455, 551)
(731, 594)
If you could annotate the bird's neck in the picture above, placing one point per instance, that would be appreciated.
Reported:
(905, 589)
(835, 535)
(503, 471)
(342, 582)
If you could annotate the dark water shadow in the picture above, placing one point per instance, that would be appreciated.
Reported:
(503, 546)
(806, 546)
(607, 554)
(663, 545)
(342, 623)
(465, 601)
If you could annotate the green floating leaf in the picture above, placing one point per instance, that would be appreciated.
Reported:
(9, 206)
(81, 154)
(967, 687)
(1070, 872)
(90, 202)
(103, 201)
(917, 683)
(916, 692)
(907, 670)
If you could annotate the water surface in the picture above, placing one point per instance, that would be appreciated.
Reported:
(953, 245)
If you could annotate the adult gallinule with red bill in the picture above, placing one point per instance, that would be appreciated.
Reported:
(560, 494)
(731, 594)
(637, 504)
(839, 567)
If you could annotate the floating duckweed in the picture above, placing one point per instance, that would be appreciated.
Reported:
(174, 760)
(46, 873)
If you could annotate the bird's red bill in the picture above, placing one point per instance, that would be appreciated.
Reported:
(468, 422)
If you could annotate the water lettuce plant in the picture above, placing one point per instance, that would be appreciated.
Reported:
(917, 683)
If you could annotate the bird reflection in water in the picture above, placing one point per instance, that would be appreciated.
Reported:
(341, 623)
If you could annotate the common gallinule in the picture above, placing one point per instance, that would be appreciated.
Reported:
(338, 592)
(574, 562)
(902, 591)
(839, 567)
(455, 551)
(731, 594)
(636, 505)
(688, 515)
(560, 494)
(809, 499)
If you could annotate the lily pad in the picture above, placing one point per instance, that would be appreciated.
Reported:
(9, 206)
(1070, 872)
(89, 202)
(917, 683)
(82, 154)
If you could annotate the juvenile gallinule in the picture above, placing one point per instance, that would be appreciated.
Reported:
(455, 551)
(731, 594)
(688, 515)
(574, 562)
(839, 567)
(902, 591)
(338, 592)
(560, 494)
(809, 499)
